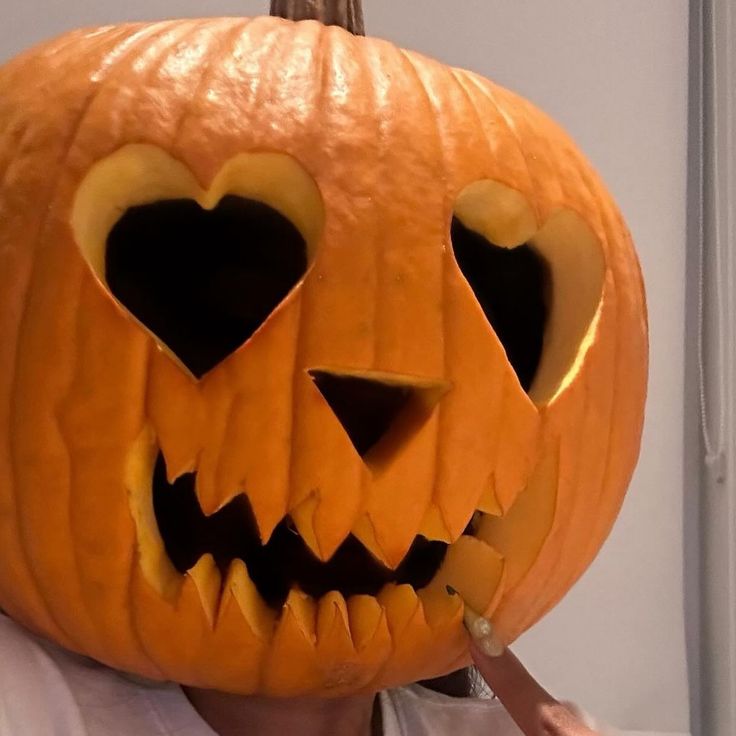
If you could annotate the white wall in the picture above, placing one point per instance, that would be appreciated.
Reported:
(615, 73)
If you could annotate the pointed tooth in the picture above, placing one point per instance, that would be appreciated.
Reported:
(208, 581)
(343, 667)
(242, 635)
(433, 526)
(368, 624)
(365, 532)
(475, 570)
(410, 635)
(242, 590)
(403, 609)
(401, 493)
(520, 439)
(333, 623)
(488, 502)
(205, 486)
(177, 423)
(456, 517)
(395, 546)
(303, 518)
(442, 611)
(444, 616)
(521, 533)
(292, 667)
(321, 528)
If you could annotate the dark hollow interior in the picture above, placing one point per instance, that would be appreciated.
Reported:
(366, 408)
(285, 561)
(512, 286)
(203, 281)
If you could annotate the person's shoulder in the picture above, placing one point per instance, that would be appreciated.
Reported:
(30, 683)
(417, 710)
(45, 689)
(21, 650)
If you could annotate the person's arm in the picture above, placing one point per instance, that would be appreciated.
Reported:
(533, 709)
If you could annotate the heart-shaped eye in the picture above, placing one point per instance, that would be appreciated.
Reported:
(540, 288)
(510, 285)
(203, 281)
(200, 269)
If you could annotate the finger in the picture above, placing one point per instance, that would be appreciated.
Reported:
(533, 709)
(522, 696)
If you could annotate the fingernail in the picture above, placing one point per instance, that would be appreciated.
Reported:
(481, 629)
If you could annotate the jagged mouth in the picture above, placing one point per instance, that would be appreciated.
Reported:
(285, 561)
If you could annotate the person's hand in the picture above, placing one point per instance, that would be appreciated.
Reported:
(533, 709)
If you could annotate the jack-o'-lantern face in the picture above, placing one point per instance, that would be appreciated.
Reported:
(296, 329)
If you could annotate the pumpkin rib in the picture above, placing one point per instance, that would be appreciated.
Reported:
(408, 62)
(291, 499)
(331, 498)
(66, 149)
(472, 108)
(370, 58)
(130, 608)
(181, 32)
(542, 566)
(411, 62)
(486, 90)
(64, 443)
(129, 599)
(221, 47)
(27, 131)
(154, 35)
(223, 44)
(618, 351)
(410, 342)
(594, 189)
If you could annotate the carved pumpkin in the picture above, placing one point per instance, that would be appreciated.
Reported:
(296, 328)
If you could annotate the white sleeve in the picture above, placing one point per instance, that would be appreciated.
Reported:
(35, 699)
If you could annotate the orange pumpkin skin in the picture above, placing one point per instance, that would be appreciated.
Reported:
(390, 140)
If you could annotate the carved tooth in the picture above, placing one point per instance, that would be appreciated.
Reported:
(442, 612)
(369, 625)
(242, 636)
(404, 614)
(208, 581)
(520, 438)
(373, 644)
(520, 534)
(177, 423)
(242, 590)
(488, 502)
(366, 533)
(302, 524)
(291, 526)
(475, 570)
(444, 616)
(333, 624)
(410, 634)
(433, 526)
(292, 667)
(341, 664)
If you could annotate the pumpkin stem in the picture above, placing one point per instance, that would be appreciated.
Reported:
(345, 13)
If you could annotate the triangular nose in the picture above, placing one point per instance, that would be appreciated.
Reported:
(375, 406)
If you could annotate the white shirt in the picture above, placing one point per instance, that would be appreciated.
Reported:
(47, 691)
